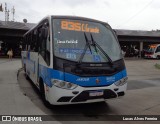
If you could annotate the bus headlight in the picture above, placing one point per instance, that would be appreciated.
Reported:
(121, 81)
(63, 84)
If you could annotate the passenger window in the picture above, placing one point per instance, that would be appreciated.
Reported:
(44, 39)
(35, 41)
(31, 42)
(24, 44)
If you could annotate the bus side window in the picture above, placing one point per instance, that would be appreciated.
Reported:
(31, 41)
(28, 42)
(35, 39)
(45, 42)
(41, 43)
(48, 46)
(24, 43)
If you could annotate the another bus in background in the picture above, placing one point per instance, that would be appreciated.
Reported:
(153, 51)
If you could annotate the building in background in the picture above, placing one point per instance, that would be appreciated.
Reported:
(11, 34)
(131, 41)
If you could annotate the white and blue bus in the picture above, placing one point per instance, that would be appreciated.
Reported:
(74, 60)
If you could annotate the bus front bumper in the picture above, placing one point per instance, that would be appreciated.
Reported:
(58, 96)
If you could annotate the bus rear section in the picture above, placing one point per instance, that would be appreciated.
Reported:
(153, 51)
(86, 63)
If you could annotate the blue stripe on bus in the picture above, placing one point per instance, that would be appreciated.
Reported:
(47, 74)
(31, 65)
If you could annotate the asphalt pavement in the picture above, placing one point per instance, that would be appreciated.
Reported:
(20, 97)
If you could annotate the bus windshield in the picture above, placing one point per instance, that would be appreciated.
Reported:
(151, 49)
(72, 38)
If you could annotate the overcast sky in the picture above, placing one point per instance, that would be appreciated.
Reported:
(120, 14)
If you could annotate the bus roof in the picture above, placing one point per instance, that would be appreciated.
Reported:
(78, 18)
(67, 17)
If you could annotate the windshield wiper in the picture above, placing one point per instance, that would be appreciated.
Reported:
(95, 44)
(85, 49)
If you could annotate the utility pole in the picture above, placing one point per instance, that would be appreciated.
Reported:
(8, 15)
(1, 8)
(13, 12)
(6, 12)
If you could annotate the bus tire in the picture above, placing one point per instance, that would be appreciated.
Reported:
(27, 77)
(24, 66)
(42, 92)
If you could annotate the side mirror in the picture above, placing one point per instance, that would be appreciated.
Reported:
(123, 53)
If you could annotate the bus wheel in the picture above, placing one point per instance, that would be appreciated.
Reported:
(42, 92)
(27, 77)
(24, 68)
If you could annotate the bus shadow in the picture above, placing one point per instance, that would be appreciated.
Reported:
(79, 112)
(75, 112)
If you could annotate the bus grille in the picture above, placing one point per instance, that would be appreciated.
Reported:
(84, 96)
(93, 72)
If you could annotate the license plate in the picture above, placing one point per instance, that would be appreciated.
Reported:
(96, 93)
